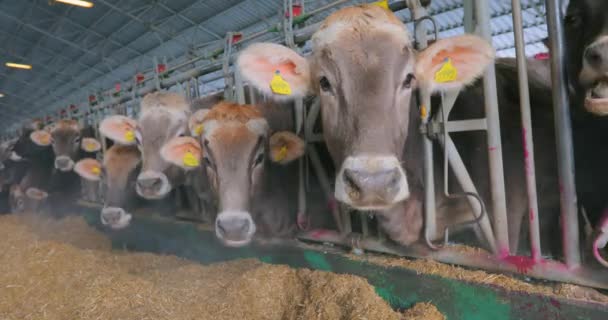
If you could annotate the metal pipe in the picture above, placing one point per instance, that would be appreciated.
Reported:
(563, 134)
(430, 215)
(460, 171)
(497, 179)
(526, 122)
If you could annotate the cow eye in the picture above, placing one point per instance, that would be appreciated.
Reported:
(259, 159)
(324, 84)
(407, 83)
(206, 161)
(572, 19)
(138, 137)
(77, 140)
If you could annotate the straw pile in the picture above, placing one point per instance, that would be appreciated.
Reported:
(65, 270)
(423, 266)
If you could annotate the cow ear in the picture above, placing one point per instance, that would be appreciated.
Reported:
(195, 123)
(184, 152)
(119, 129)
(90, 145)
(285, 147)
(454, 62)
(275, 70)
(89, 169)
(41, 137)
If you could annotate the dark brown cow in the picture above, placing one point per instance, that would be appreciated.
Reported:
(118, 174)
(364, 69)
(239, 152)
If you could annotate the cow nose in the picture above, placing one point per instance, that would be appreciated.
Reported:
(596, 55)
(149, 183)
(234, 228)
(64, 163)
(382, 186)
(115, 218)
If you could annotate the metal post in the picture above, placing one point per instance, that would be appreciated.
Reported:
(156, 75)
(526, 122)
(430, 215)
(240, 91)
(563, 134)
(497, 179)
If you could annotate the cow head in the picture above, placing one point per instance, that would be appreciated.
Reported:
(365, 70)
(7, 152)
(65, 137)
(236, 149)
(586, 32)
(163, 116)
(30, 200)
(118, 174)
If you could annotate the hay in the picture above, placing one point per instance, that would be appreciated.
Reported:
(424, 266)
(65, 270)
(423, 311)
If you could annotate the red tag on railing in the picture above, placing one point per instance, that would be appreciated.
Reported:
(161, 67)
(139, 78)
(236, 37)
(297, 11)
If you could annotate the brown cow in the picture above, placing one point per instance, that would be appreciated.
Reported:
(163, 116)
(365, 70)
(118, 173)
(238, 152)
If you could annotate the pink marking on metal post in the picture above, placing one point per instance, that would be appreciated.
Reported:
(492, 148)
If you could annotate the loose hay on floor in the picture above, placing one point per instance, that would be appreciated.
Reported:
(65, 270)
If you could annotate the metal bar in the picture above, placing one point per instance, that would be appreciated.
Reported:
(315, 160)
(467, 184)
(466, 125)
(430, 214)
(497, 179)
(526, 122)
(563, 134)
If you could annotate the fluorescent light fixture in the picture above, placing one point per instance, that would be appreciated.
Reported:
(18, 65)
(1, 95)
(80, 3)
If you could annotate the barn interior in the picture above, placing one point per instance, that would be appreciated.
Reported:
(85, 236)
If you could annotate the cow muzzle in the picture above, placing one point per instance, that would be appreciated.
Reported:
(594, 76)
(234, 228)
(64, 163)
(371, 182)
(115, 218)
(152, 185)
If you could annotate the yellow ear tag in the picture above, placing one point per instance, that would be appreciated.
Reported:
(129, 136)
(96, 171)
(282, 154)
(198, 130)
(447, 73)
(90, 146)
(382, 4)
(190, 160)
(423, 112)
(278, 85)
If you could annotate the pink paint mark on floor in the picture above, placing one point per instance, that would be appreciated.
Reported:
(523, 264)
(319, 233)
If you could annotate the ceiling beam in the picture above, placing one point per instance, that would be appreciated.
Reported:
(50, 35)
(188, 20)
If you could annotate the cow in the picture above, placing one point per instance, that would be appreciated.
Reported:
(163, 116)
(69, 141)
(118, 174)
(248, 167)
(365, 70)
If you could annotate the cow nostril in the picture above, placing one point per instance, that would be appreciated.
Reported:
(221, 229)
(149, 183)
(242, 226)
(350, 180)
